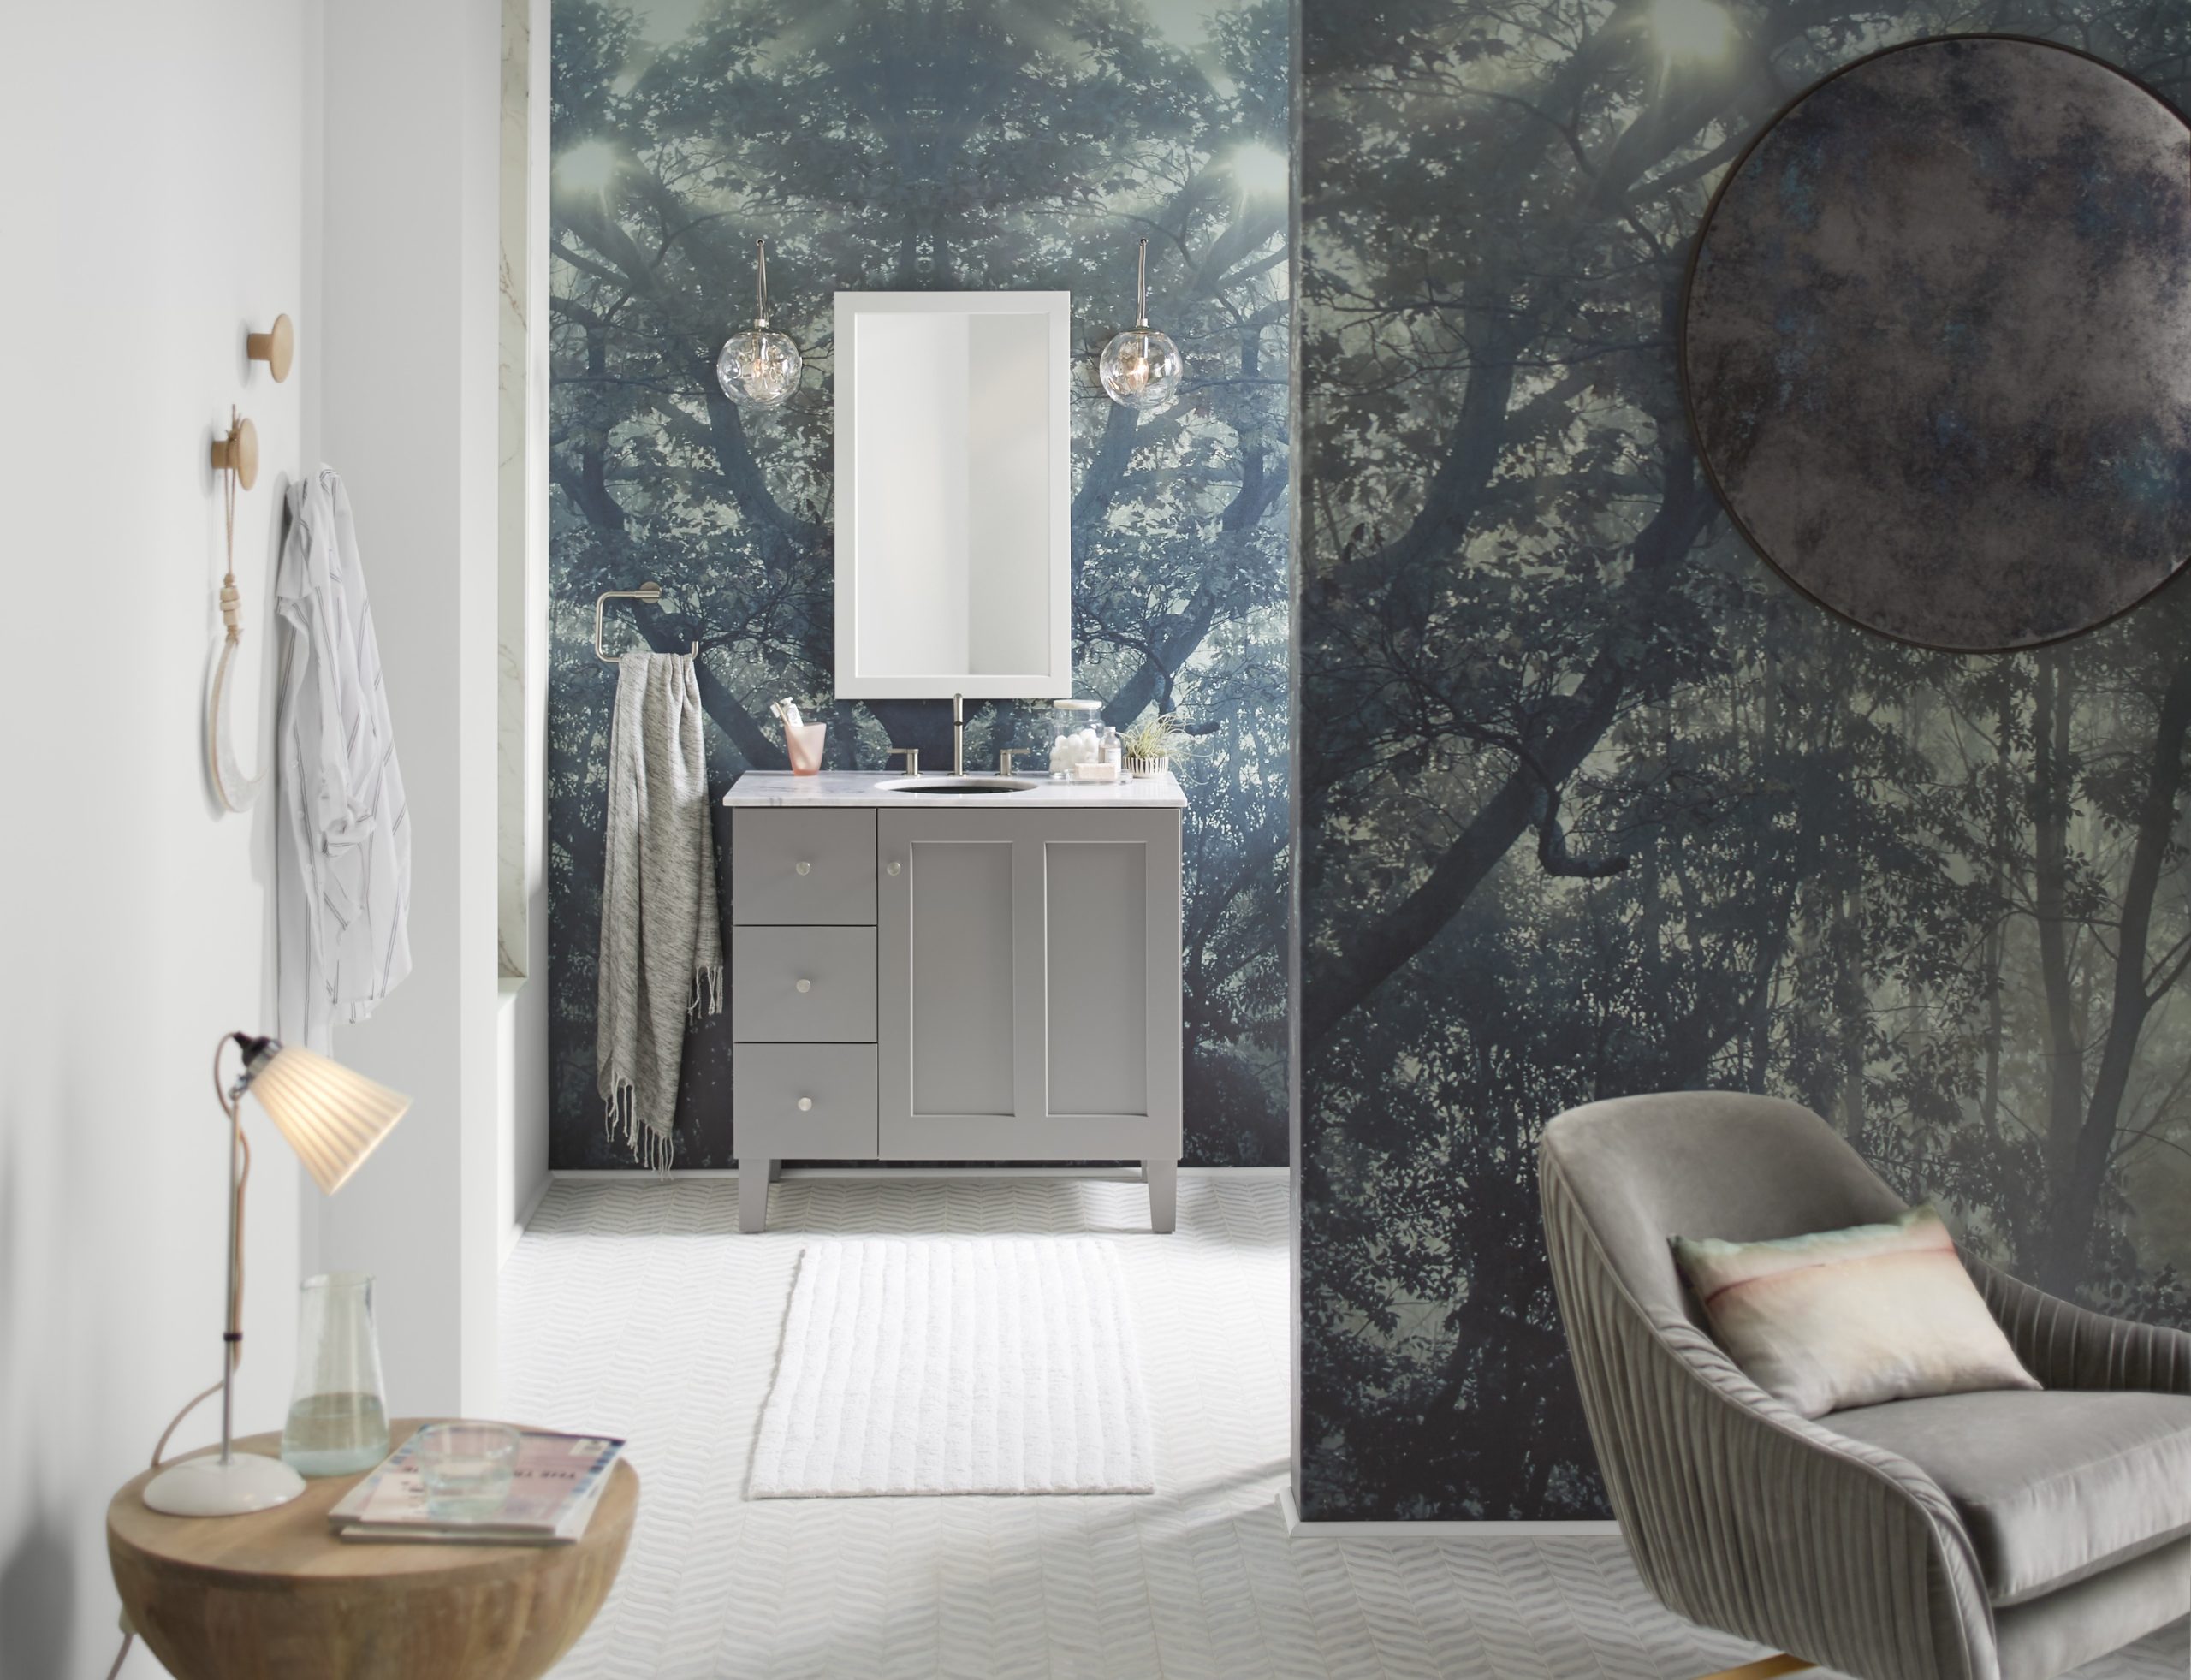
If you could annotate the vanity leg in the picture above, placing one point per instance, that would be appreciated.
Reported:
(776, 1171)
(753, 1177)
(1163, 1178)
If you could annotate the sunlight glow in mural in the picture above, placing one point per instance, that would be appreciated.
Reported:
(587, 167)
(1690, 29)
(1260, 171)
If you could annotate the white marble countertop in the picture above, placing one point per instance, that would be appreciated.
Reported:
(865, 788)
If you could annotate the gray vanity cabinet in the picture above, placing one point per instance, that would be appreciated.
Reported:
(956, 984)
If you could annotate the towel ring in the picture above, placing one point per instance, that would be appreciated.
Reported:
(649, 593)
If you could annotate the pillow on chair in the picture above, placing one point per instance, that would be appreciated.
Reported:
(1853, 1317)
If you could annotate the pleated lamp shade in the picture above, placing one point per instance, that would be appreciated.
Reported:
(333, 1118)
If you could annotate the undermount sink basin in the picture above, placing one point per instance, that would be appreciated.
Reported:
(959, 785)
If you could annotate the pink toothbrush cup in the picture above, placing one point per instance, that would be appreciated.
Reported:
(804, 745)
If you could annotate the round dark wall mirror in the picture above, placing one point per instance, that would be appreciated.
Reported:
(1936, 344)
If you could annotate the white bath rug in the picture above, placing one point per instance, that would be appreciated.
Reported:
(1004, 1365)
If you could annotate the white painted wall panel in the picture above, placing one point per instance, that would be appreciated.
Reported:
(156, 198)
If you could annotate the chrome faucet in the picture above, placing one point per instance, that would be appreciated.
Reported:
(957, 734)
(912, 758)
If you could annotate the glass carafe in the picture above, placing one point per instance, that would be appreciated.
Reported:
(338, 1419)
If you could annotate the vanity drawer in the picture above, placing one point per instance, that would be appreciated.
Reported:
(802, 867)
(803, 985)
(834, 1081)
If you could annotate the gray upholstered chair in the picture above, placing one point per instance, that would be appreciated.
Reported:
(1997, 1536)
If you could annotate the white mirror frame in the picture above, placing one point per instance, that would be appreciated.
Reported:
(1056, 681)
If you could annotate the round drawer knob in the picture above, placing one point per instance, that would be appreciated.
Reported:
(805, 1103)
(806, 985)
(805, 868)
(893, 868)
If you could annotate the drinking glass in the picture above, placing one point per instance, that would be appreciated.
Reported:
(466, 1469)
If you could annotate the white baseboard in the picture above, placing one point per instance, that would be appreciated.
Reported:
(1120, 1174)
(1297, 1529)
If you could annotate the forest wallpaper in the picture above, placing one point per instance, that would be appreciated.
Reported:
(1593, 803)
(909, 145)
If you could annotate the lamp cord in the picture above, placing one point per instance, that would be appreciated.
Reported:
(232, 1343)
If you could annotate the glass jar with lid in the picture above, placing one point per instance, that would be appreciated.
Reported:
(1077, 741)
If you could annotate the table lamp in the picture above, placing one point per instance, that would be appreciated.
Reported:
(333, 1118)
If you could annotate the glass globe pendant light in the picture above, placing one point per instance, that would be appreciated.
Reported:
(1141, 367)
(759, 369)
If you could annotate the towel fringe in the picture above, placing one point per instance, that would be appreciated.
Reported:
(707, 990)
(655, 1151)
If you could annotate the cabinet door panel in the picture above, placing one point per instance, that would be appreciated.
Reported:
(1095, 1024)
(1028, 985)
(961, 951)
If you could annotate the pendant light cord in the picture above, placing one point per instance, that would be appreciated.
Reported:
(761, 286)
(1143, 321)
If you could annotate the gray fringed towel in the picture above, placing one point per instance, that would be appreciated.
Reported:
(661, 937)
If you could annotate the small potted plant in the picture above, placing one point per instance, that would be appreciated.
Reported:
(1149, 746)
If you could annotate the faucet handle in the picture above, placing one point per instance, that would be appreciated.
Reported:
(912, 758)
(1006, 755)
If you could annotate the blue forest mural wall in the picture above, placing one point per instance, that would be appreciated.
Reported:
(1593, 803)
(900, 145)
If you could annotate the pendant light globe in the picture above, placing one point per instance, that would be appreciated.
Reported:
(759, 369)
(1141, 367)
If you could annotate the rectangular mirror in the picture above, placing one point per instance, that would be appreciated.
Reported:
(954, 527)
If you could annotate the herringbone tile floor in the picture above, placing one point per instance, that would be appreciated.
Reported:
(638, 1309)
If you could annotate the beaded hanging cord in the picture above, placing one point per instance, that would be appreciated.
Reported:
(236, 791)
(231, 599)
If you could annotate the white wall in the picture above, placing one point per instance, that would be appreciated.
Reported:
(406, 410)
(185, 170)
(522, 622)
(155, 196)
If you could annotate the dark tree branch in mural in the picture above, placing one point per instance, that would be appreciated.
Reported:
(2082, 1141)
(917, 144)
(1592, 803)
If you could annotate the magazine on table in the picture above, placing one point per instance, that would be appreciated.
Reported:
(554, 1486)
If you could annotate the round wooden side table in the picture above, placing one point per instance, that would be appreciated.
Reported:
(273, 1595)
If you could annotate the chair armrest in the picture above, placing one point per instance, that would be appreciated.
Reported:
(1745, 1517)
(2069, 1346)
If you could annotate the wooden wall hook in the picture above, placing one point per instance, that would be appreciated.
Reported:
(276, 348)
(238, 453)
